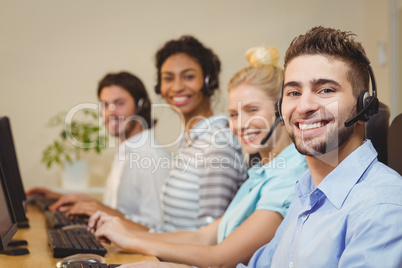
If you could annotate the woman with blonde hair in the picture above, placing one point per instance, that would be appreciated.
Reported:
(260, 204)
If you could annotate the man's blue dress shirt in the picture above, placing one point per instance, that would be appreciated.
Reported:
(353, 218)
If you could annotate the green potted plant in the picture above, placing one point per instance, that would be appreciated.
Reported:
(78, 135)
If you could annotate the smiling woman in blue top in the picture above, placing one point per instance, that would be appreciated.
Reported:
(261, 202)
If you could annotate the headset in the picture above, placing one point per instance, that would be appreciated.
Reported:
(206, 81)
(366, 105)
(140, 105)
(278, 119)
(206, 88)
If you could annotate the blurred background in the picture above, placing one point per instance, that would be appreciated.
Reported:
(53, 53)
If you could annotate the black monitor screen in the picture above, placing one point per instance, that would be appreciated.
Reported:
(8, 224)
(8, 159)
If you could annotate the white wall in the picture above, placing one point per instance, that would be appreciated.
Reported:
(398, 65)
(54, 52)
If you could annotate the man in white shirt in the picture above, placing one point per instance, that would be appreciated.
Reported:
(133, 187)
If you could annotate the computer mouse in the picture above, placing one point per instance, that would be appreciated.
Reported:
(81, 258)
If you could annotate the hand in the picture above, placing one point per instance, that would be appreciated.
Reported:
(68, 200)
(87, 208)
(152, 264)
(42, 192)
(111, 229)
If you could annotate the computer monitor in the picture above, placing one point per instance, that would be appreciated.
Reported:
(11, 171)
(8, 223)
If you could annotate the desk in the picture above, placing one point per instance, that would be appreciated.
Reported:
(40, 253)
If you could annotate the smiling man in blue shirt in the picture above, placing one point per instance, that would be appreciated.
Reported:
(348, 206)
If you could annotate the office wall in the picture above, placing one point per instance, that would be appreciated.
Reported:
(399, 59)
(52, 53)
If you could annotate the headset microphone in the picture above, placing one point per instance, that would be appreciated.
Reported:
(366, 105)
(279, 118)
(271, 131)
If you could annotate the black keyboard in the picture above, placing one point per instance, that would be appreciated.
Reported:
(44, 203)
(89, 265)
(69, 241)
(58, 219)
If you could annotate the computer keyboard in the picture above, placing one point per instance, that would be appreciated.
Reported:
(44, 203)
(89, 265)
(73, 240)
(58, 219)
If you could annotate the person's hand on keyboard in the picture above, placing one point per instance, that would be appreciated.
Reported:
(88, 208)
(66, 200)
(43, 192)
(111, 229)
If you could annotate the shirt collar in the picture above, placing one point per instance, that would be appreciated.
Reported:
(337, 184)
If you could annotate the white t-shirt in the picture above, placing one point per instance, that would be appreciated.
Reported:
(134, 183)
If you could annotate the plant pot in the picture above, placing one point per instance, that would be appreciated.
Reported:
(75, 175)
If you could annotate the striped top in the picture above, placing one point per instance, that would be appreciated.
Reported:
(208, 171)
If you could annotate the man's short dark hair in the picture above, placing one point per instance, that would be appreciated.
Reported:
(336, 44)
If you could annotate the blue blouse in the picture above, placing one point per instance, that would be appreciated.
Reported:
(269, 187)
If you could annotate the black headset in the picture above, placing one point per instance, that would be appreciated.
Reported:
(366, 105)
(140, 105)
(205, 88)
(278, 119)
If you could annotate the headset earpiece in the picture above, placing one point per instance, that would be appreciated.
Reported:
(158, 89)
(140, 105)
(206, 88)
(363, 100)
(206, 81)
(366, 105)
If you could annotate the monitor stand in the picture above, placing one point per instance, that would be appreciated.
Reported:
(22, 224)
(13, 249)
(17, 242)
